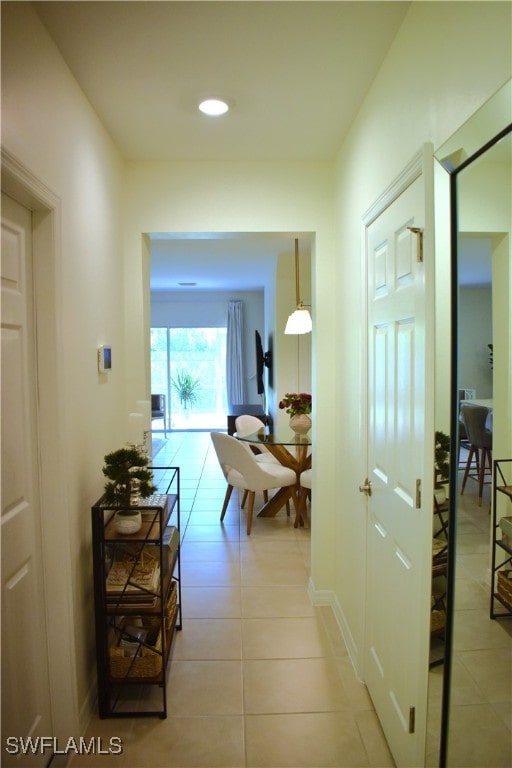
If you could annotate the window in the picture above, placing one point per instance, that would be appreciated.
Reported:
(196, 357)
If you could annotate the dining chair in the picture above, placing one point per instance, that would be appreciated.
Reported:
(306, 480)
(248, 425)
(480, 445)
(158, 410)
(244, 472)
(229, 489)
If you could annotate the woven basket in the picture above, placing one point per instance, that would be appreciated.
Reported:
(147, 664)
(437, 619)
(505, 586)
(170, 608)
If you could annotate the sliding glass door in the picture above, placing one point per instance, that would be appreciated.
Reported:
(188, 366)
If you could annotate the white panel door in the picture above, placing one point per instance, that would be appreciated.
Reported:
(399, 531)
(25, 685)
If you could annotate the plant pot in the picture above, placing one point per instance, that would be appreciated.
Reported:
(128, 523)
(300, 423)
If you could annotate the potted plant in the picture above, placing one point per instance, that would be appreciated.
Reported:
(298, 405)
(129, 480)
(441, 465)
(186, 387)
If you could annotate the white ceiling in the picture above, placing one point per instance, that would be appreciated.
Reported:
(220, 262)
(294, 72)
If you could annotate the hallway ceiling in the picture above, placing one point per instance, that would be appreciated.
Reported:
(295, 73)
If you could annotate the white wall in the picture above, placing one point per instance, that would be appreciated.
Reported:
(247, 197)
(475, 318)
(209, 309)
(292, 354)
(49, 127)
(446, 60)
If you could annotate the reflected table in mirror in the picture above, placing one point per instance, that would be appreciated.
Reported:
(292, 451)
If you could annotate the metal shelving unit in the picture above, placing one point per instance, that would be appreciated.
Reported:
(137, 598)
(501, 575)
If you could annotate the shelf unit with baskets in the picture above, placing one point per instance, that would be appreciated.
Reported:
(137, 598)
(439, 574)
(501, 588)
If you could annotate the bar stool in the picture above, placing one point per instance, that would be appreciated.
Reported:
(480, 445)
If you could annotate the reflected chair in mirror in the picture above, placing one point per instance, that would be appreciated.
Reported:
(463, 439)
(158, 410)
(242, 471)
(479, 436)
(306, 479)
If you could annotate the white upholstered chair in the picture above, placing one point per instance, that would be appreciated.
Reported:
(243, 471)
(306, 479)
(248, 425)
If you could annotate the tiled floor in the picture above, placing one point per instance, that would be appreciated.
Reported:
(481, 690)
(259, 677)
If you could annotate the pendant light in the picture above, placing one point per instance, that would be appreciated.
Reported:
(299, 321)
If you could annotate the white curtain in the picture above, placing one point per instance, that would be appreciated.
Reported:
(234, 357)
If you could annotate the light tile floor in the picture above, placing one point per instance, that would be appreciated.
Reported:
(259, 677)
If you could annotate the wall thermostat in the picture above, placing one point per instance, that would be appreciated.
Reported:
(104, 359)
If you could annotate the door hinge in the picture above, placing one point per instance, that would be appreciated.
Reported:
(366, 487)
(418, 493)
(412, 719)
(419, 242)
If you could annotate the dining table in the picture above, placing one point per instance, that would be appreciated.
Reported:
(291, 450)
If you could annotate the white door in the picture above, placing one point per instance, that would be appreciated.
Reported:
(399, 533)
(25, 684)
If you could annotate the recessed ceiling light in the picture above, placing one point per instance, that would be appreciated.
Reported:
(214, 107)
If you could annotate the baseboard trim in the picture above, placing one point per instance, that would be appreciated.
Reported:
(327, 597)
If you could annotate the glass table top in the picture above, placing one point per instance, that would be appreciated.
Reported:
(284, 436)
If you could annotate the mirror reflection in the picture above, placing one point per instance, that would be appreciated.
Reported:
(481, 663)
(470, 675)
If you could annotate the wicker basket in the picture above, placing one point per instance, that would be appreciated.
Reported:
(505, 586)
(437, 621)
(147, 664)
(170, 608)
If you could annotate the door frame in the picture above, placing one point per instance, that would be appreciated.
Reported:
(421, 164)
(20, 184)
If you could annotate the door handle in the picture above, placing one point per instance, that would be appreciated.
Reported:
(366, 487)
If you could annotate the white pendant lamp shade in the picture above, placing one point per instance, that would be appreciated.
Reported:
(300, 320)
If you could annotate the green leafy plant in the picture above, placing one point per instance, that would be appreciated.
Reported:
(187, 388)
(441, 457)
(128, 473)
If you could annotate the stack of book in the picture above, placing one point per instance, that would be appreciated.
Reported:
(134, 581)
